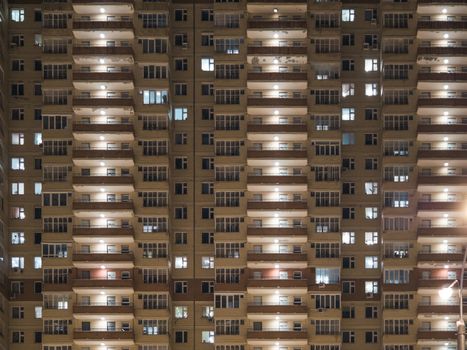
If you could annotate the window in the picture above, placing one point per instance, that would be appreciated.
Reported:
(371, 312)
(371, 262)
(38, 311)
(207, 238)
(17, 238)
(17, 15)
(37, 188)
(181, 64)
(348, 15)
(17, 164)
(348, 138)
(17, 337)
(371, 337)
(151, 97)
(181, 337)
(181, 89)
(17, 312)
(371, 89)
(371, 238)
(181, 15)
(348, 114)
(371, 164)
(181, 262)
(348, 237)
(154, 45)
(17, 65)
(371, 213)
(207, 337)
(348, 262)
(180, 113)
(348, 213)
(348, 89)
(396, 276)
(181, 312)
(207, 262)
(17, 89)
(17, 188)
(17, 262)
(207, 64)
(371, 114)
(348, 337)
(371, 287)
(371, 65)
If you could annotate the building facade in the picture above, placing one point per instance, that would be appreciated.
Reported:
(232, 175)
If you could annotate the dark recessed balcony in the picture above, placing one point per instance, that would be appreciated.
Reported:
(103, 180)
(442, 102)
(103, 128)
(279, 1)
(276, 333)
(442, 25)
(443, 180)
(277, 205)
(277, 231)
(442, 309)
(102, 334)
(102, 283)
(103, 76)
(103, 50)
(103, 231)
(443, 154)
(277, 50)
(277, 128)
(276, 24)
(277, 179)
(277, 309)
(440, 257)
(443, 77)
(442, 128)
(441, 231)
(103, 256)
(442, 51)
(99, 205)
(102, 25)
(101, 102)
(276, 256)
(274, 76)
(276, 153)
(441, 206)
(276, 282)
(102, 153)
(435, 283)
(436, 334)
(278, 101)
(100, 308)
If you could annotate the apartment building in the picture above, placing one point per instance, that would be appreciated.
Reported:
(232, 174)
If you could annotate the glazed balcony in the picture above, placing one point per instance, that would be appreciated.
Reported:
(276, 128)
(442, 25)
(276, 256)
(277, 309)
(440, 334)
(438, 309)
(277, 50)
(277, 231)
(442, 77)
(275, 153)
(101, 205)
(442, 180)
(102, 25)
(103, 231)
(102, 102)
(440, 206)
(103, 50)
(277, 205)
(103, 128)
(442, 231)
(277, 77)
(100, 334)
(277, 24)
(102, 283)
(274, 179)
(278, 101)
(441, 257)
(277, 282)
(442, 128)
(102, 257)
(102, 308)
(442, 153)
(102, 153)
(277, 334)
(442, 51)
(103, 76)
(442, 102)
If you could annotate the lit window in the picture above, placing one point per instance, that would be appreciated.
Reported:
(37, 188)
(38, 312)
(37, 262)
(17, 188)
(17, 138)
(207, 337)
(371, 262)
(17, 163)
(181, 262)
(348, 113)
(371, 89)
(371, 238)
(207, 262)
(38, 138)
(348, 237)
(17, 238)
(348, 15)
(371, 188)
(154, 97)
(180, 113)
(181, 312)
(371, 65)
(348, 89)
(17, 15)
(371, 213)
(207, 64)
(371, 287)
(17, 262)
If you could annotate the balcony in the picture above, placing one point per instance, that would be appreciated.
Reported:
(442, 128)
(277, 309)
(277, 231)
(442, 51)
(442, 154)
(100, 308)
(435, 283)
(274, 179)
(103, 50)
(276, 153)
(101, 205)
(277, 128)
(444, 257)
(443, 77)
(441, 309)
(93, 2)
(102, 180)
(278, 101)
(277, 24)
(102, 257)
(273, 76)
(276, 205)
(102, 76)
(276, 256)
(102, 283)
(440, 206)
(102, 25)
(442, 180)
(442, 25)
(101, 102)
(441, 334)
(277, 334)
(103, 128)
(277, 50)
(102, 334)
(442, 231)
(442, 102)
(102, 153)
(105, 231)
(277, 282)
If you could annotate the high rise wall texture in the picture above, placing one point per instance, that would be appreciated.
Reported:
(232, 175)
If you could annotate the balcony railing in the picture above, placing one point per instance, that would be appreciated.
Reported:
(103, 50)
(448, 25)
(276, 205)
(102, 25)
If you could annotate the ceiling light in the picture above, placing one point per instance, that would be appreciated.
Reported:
(102, 189)
(276, 266)
(103, 87)
(446, 61)
(276, 189)
(102, 293)
(102, 35)
(275, 10)
(102, 267)
(102, 138)
(102, 112)
(276, 112)
(444, 10)
(277, 35)
(445, 87)
(446, 113)
(445, 215)
(445, 36)
(102, 216)
(101, 241)
(446, 190)
(276, 241)
(277, 317)
(101, 60)
(276, 138)
(276, 163)
(275, 87)
(446, 164)
(275, 61)
(101, 163)
(276, 215)
(445, 138)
